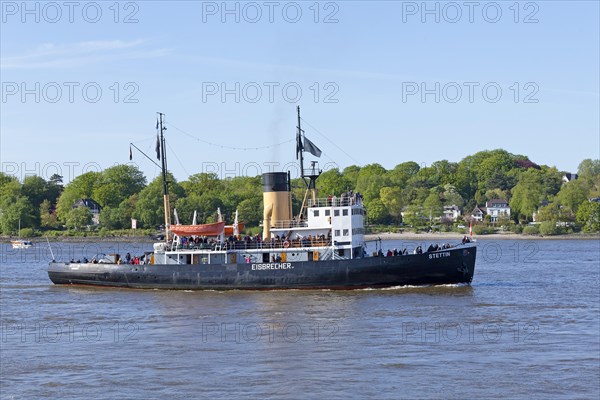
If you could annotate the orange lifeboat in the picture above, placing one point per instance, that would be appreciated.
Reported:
(199, 230)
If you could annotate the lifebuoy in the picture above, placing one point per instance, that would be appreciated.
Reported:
(286, 244)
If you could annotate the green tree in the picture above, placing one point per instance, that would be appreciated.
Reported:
(149, 209)
(110, 218)
(351, 174)
(14, 207)
(82, 187)
(35, 188)
(251, 211)
(126, 210)
(432, 206)
(589, 172)
(370, 180)
(376, 212)
(588, 215)
(54, 188)
(445, 172)
(199, 184)
(78, 218)
(549, 228)
(451, 196)
(413, 216)
(117, 183)
(48, 219)
(573, 193)
(402, 173)
(533, 187)
(492, 170)
(333, 182)
(391, 197)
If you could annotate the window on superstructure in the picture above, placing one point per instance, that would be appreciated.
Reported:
(336, 213)
(316, 214)
(345, 212)
(337, 232)
(346, 232)
(327, 213)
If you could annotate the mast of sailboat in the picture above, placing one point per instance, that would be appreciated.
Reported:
(163, 157)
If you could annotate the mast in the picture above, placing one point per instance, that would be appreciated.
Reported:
(308, 176)
(299, 146)
(163, 157)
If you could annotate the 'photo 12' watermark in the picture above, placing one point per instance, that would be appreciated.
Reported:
(469, 92)
(253, 12)
(50, 332)
(453, 12)
(56, 12)
(269, 92)
(69, 92)
(466, 333)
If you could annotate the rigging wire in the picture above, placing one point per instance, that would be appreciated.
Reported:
(330, 141)
(229, 147)
(178, 160)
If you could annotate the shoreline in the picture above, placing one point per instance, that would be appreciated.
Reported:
(493, 236)
(438, 236)
(85, 239)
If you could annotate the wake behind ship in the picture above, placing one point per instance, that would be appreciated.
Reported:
(322, 247)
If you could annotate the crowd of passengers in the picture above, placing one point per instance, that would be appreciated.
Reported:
(419, 249)
(347, 198)
(253, 241)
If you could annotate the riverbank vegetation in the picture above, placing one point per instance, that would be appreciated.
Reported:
(407, 197)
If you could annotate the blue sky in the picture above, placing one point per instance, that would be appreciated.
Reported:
(380, 82)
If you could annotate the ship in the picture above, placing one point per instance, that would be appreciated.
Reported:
(322, 246)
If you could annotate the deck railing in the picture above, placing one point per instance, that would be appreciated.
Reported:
(289, 224)
(254, 245)
(334, 202)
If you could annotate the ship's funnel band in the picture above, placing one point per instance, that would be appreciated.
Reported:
(277, 201)
(275, 182)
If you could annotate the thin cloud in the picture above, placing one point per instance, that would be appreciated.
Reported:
(68, 55)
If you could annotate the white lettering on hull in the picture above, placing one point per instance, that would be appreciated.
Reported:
(439, 255)
(259, 267)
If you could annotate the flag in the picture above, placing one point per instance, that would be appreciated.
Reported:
(157, 147)
(311, 148)
(194, 219)
(130, 154)
(298, 145)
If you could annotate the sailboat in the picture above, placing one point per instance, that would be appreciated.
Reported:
(20, 243)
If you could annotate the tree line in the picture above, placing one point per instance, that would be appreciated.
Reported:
(408, 194)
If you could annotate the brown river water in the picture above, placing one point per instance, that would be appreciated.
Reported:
(528, 327)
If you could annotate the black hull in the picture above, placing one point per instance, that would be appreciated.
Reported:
(453, 266)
